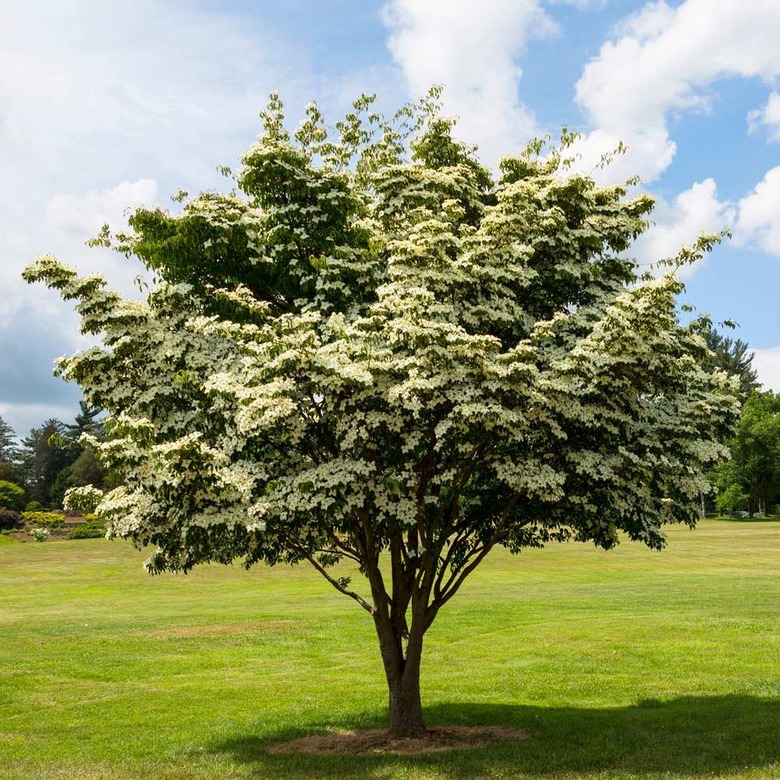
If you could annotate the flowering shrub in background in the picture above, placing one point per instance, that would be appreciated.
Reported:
(83, 499)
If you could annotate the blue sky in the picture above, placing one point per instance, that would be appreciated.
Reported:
(105, 106)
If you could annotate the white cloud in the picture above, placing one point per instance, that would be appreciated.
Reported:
(646, 154)
(24, 417)
(472, 49)
(759, 214)
(582, 5)
(664, 59)
(695, 211)
(768, 117)
(71, 219)
(84, 215)
(766, 362)
(155, 78)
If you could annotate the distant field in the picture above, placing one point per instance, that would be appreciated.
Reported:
(627, 664)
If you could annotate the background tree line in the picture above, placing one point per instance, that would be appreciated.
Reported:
(749, 482)
(49, 460)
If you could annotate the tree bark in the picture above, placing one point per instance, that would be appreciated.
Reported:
(402, 671)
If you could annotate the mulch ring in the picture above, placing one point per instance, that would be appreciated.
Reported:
(376, 741)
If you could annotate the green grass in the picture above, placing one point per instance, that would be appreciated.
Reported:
(627, 664)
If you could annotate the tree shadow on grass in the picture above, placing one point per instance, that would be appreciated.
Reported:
(691, 736)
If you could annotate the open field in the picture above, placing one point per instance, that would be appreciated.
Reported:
(627, 664)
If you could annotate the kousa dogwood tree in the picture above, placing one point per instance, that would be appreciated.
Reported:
(377, 351)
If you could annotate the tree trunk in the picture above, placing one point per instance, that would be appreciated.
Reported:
(406, 715)
(402, 671)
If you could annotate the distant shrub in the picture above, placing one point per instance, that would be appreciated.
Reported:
(93, 529)
(45, 519)
(733, 499)
(11, 495)
(83, 499)
(40, 534)
(9, 519)
(33, 506)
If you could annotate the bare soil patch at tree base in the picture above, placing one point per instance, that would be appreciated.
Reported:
(377, 741)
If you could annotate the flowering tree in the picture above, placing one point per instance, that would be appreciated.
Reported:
(379, 353)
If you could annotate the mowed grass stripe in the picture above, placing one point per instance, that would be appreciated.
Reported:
(624, 664)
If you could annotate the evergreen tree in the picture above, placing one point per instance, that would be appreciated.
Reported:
(87, 421)
(9, 454)
(45, 453)
(85, 469)
(730, 355)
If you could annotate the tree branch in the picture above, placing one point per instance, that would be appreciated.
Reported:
(341, 553)
(460, 537)
(477, 555)
(457, 579)
(370, 561)
(336, 584)
(344, 548)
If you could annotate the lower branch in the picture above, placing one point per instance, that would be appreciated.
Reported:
(475, 556)
(456, 580)
(339, 586)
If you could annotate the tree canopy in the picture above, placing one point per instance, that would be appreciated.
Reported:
(11, 495)
(750, 480)
(44, 455)
(375, 351)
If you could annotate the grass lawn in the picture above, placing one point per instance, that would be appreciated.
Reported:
(627, 664)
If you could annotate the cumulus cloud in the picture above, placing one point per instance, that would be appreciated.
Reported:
(695, 211)
(766, 362)
(70, 218)
(471, 48)
(84, 215)
(665, 60)
(97, 92)
(581, 5)
(767, 118)
(759, 215)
